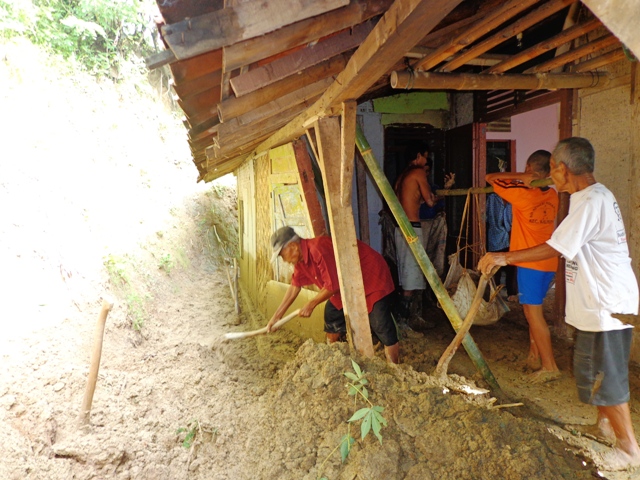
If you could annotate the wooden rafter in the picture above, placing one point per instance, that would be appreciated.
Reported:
(303, 32)
(306, 95)
(300, 60)
(242, 21)
(401, 27)
(563, 37)
(599, 44)
(236, 106)
(537, 15)
(481, 28)
(601, 61)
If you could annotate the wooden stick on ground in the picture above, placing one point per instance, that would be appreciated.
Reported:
(95, 363)
(443, 363)
(278, 324)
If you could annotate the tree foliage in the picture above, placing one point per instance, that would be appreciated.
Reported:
(102, 35)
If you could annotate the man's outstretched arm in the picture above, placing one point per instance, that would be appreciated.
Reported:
(533, 254)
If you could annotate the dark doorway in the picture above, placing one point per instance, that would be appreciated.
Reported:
(396, 139)
(501, 155)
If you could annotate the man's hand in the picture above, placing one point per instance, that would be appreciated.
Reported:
(307, 310)
(271, 323)
(491, 260)
(449, 180)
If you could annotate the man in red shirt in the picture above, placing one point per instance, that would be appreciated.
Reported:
(314, 263)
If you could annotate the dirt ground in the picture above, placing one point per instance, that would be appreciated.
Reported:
(103, 190)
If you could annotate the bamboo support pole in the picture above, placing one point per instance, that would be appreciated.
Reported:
(85, 411)
(464, 191)
(423, 260)
(535, 80)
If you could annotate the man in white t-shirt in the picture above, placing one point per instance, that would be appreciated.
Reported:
(600, 284)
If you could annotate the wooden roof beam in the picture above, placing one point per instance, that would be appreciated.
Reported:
(202, 102)
(507, 81)
(242, 21)
(301, 33)
(236, 106)
(198, 85)
(487, 59)
(601, 61)
(563, 37)
(583, 50)
(494, 19)
(192, 68)
(306, 95)
(398, 31)
(536, 16)
(300, 60)
(234, 135)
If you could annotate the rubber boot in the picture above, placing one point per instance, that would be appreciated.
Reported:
(416, 322)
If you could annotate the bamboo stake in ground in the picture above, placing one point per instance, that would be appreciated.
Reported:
(443, 363)
(85, 411)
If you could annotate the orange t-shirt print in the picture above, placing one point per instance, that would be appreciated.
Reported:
(534, 217)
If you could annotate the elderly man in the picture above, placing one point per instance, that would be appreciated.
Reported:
(600, 284)
(314, 263)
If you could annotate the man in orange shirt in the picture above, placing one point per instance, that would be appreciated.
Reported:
(534, 214)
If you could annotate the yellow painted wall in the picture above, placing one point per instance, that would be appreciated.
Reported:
(312, 327)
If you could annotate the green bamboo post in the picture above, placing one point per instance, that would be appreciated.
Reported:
(464, 191)
(422, 258)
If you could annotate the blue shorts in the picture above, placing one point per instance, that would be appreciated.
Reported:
(533, 285)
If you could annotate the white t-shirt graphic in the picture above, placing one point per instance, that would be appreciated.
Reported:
(598, 273)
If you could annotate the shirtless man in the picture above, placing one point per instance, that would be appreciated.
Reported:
(412, 188)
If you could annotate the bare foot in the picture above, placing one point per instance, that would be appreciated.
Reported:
(616, 459)
(594, 432)
(533, 364)
(543, 376)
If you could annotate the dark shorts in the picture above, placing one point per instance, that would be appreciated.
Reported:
(601, 366)
(380, 320)
(533, 285)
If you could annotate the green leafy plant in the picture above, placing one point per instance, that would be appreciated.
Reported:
(166, 263)
(191, 430)
(370, 415)
(116, 267)
(102, 35)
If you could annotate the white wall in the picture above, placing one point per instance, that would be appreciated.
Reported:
(374, 132)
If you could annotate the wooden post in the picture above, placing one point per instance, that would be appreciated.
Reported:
(344, 235)
(306, 180)
(423, 260)
(363, 204)
(85, 411)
